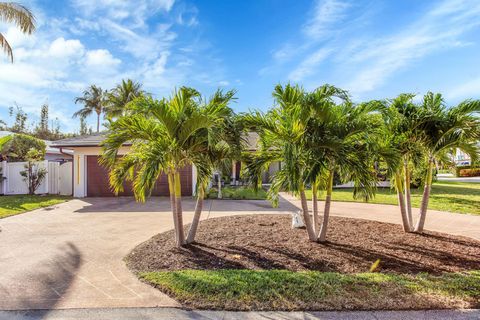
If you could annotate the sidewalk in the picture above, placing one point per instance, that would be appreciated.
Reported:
(180, 314)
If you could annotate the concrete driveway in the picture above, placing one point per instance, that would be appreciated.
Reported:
(70, 255)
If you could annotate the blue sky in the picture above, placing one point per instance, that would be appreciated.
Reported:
(374, 49)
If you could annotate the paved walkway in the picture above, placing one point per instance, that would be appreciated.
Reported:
(179, 314)
(70, 255)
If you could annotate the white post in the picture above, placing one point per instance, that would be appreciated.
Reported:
(3, 184)
(194, 180)
(234, 172)
(47, 177)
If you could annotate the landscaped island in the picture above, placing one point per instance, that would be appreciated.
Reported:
(259, 262)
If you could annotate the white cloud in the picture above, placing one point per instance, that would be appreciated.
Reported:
(101, 59)
(61, 48)
(307, 66)
(437, 30)
(470, 88)
(325, 14)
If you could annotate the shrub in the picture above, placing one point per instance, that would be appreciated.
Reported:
(15, 147)
(33, 175)
(467, 171)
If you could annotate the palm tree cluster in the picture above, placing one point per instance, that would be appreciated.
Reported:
(321, 138)
(167, 135)
(321, 135)
(110, 103)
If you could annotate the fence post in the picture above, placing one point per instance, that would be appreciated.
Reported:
(47, 177)
(3, 184)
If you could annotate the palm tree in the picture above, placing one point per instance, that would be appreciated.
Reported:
(444, 130)
(93, 100)
(223, 145)
(12, 12)
(166, 135)
(120, 96)
(402, 121)
(340, 139)
(281, 133)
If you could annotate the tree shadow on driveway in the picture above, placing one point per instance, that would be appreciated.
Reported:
(42, 287)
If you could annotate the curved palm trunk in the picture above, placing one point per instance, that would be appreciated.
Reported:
(425, 198)
(322, 236)
(315, 207)
(306, 215)
(196, 217)
(171, 188)
(179, 212)
(401, 202)
(408, 196)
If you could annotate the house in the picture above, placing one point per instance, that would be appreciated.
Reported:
(90, 179)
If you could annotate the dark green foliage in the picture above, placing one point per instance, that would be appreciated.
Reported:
(15, 148)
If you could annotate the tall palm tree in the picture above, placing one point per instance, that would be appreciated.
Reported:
(120, 96)
(93, 100)
(402, 121)
(21, 16)
(281, 132)
(444, 130)
(339, 138)
(166, 135)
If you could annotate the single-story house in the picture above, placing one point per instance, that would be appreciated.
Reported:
(90, 179)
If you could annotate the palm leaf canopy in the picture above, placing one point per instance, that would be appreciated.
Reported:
(165, 135)
(12, 12)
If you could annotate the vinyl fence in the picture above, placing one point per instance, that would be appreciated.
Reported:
(57, 181)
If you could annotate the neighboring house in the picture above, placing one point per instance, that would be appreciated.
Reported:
(251, 145)
(90, 179)
(51, 154)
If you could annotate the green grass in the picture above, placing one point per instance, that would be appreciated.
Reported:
(313, 290)
(461, 197)
(12, 205)
(239, 193)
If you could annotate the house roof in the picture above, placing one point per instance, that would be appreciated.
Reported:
(91, 140)
(94, 140)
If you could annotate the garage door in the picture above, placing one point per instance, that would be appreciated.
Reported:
(98, 184)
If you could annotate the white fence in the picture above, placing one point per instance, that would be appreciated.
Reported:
(57, 181)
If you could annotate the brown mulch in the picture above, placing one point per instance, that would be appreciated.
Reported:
(269, 242)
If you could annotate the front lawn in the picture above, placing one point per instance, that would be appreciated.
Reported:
(12, 205)
(461, 197)
(238, 193)
(314, 290)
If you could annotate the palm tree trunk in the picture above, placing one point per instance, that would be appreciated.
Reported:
(408, 196)
(306, 215)
(219, 183)
(98, 122)
(196, 217)
(178, 205)
(171, 188)
(315, 206)
(401, 202)
(425, 198)
(322, 236)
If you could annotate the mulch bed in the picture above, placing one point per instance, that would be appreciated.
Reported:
(269, 242)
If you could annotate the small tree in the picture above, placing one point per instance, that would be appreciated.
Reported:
(33, 175)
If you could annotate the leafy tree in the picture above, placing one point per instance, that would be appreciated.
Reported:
(93, 100)
(120, 96)
(20, 124)
(33, 175)
(21, 16)
(166, 135)
(84, 128)
(15, 147)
